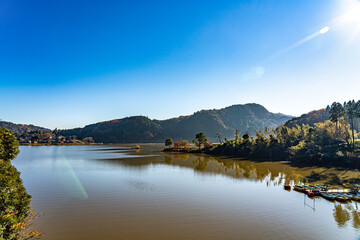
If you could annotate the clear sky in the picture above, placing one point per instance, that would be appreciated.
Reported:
(70, 63)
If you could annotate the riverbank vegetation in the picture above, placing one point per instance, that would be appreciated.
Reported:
(332, 142)
(15, 215)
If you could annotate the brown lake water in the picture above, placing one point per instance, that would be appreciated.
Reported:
(116, 192)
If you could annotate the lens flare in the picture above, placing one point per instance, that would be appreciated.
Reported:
(324, 30)
(299, 43)
(74, 183)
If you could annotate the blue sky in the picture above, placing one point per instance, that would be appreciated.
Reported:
(66, 63)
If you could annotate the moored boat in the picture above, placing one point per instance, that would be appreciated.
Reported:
(348, 185)
(299, 188)
(328, 196)
(345, 195)
(340, 198)
(355, 197)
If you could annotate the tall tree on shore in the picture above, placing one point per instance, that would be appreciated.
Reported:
(168, 142)
(352, 111)
(337, 111)
(9, 145)
(219, 137)
(200, 139)
(184, 143)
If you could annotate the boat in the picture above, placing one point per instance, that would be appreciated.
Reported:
(328, 196)
(346, 195)
(340, 198)
(355, 197)
(351, 186)
(310, 194)
(325, 187)
(299, 188)
(321, 186)
(313, 189)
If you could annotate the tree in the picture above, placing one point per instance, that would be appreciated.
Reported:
(200, 139)
(88, 140)
(184, 143)
(168, 142)
(337, 111)
(352, 111)
(219, 137)
(14, 200)
(246, 136)
(177, 145)
(237, 135)
(9, 145)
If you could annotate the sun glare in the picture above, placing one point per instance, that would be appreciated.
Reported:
(352, 12)
(350, 18)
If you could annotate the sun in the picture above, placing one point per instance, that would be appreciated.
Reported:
(349, 19)
(352, 12)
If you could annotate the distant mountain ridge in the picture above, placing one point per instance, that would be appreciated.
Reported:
(246, 118)
(21, 128)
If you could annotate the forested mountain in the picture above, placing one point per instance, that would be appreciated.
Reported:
(19, 129)
(315, 117)
(309, 118)
(246, 118)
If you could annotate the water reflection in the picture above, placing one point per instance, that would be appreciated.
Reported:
(347, 213)
(136, 194)
(271, 173)
(341, 215)
(274, 173)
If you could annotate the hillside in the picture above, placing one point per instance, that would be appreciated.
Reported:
(309, 118)
(246, 118)
(315, 117)
(19, 129)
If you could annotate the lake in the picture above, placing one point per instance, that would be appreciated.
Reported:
(116, 192)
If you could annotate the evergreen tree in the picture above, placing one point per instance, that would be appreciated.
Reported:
(352, 111)
(9, 145)
(168, 142)
(337, 111)
(200, 139)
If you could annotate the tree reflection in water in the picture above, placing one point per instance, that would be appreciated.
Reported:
(273, 173)
(344, 213)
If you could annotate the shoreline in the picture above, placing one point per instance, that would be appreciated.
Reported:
(299, 164)
(58, 144)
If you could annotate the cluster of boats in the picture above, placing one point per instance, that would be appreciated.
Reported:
(347, 193)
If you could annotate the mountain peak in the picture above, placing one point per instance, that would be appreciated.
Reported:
(244, 117)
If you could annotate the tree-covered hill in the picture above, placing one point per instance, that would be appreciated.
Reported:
(309, 118)
(315, 117)
(19, 129)
(246, 118)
